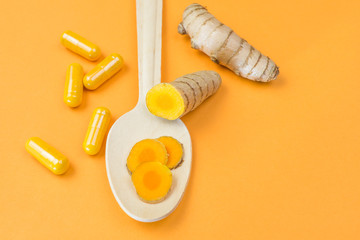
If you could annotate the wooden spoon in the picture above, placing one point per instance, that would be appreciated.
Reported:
(139, 124)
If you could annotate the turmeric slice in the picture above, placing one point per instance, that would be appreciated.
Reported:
(175, 99)
(147, 150)
(152, 181)
(175, 151)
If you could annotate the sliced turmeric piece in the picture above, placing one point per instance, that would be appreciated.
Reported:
(175, 99)
(175, 151)
(152, 181)
(147, 150)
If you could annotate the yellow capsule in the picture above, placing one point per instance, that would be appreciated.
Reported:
(80, 45)
(47, 155)
(103, 71)
(73, 85)
(96, 131)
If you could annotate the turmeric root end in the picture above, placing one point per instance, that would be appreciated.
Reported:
(181, 29)
(165, 101)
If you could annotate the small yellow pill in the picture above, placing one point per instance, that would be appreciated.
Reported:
(103, 71)
(80, 45)
(73, 85)
(47, 155)
(96, 131)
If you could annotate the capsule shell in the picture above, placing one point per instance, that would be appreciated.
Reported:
(47, 155)
(96, 131)
(73, 85)
(103, 71)
(80, 45)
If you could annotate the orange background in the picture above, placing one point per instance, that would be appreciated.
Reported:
(270, 161)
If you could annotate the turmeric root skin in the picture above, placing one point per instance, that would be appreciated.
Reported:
(224, 46)
(175, 99)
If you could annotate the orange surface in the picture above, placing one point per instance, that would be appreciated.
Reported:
(270, 161)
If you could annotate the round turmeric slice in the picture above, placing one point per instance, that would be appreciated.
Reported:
(174, 149)
(165, 101)
(152, 181)
(147, 150)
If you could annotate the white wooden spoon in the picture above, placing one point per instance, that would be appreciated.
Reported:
(139, 124)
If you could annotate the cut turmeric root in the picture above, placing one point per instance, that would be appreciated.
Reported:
(152, 181)
(175, 151)
(224, 46)
(147, 150)
(175, 99)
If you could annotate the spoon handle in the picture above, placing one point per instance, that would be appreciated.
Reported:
(149, 24)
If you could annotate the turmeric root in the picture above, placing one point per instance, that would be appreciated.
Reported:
(175, 151)
(175, 99)
(152, 181)
(147, 150)
(224, 46)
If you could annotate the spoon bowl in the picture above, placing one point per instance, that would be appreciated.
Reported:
(132, 127)
(139, 124)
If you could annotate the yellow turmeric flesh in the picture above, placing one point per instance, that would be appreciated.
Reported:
(175, 151)
(152, 181)
(163, 100)
(147, 150)
(175, 99)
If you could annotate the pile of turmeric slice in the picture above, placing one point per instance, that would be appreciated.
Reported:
(150, 162)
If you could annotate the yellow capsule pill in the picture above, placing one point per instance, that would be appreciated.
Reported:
(73, 85)
(80, 45)
(103, 71)
(47, 155)
(96, 131)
